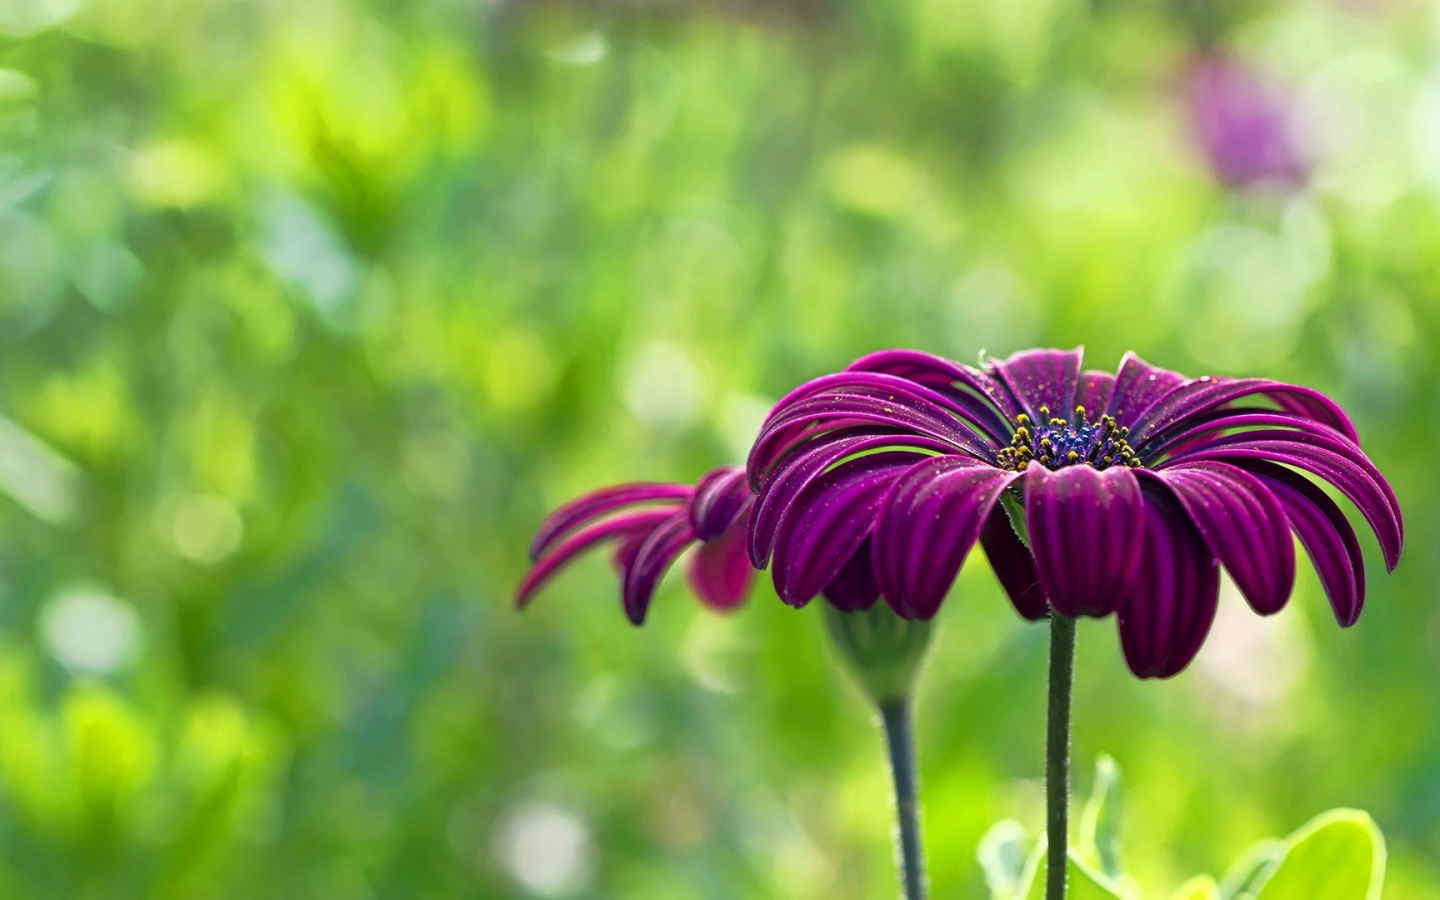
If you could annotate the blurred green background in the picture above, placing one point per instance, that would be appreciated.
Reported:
(310, 311)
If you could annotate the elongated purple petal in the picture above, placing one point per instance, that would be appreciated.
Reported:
(1014, 566)
(1087, 531)
(1138, 385)
(778, 493)
(720, 572)
(1201, 395)
(1326, 535)
(1349, 471)
(720, 497)
(598, 503)
(1043, 378)
(1166, 617)
(665, 543)
(877, 403)
(1198, 431)
(927, 525)
(853, 588)
(829, 520)
(988, 402)
(1245, 526)
(619, 527)
(1094, 392)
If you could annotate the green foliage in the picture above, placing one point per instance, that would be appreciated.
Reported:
(1100, 819)
(1338, 855)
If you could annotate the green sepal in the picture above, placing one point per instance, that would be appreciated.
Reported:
(883, 651)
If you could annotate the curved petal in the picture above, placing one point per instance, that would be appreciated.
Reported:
(1172, 606)
(926, 527)
(659, 550)
(827, 522)
(620, 527)
(853, 588)
(1201, 395)
(994, 408)
(598, 503)
(877, 403)
(1347, 469)
(778, 493)
(1093, 392)
(720, 498)
(1043, 378)
(1326, 535)
(1087, 532)
(720, 572)
(1137, 386)
(1014, 566)
(1244, 525)
(1197, 432)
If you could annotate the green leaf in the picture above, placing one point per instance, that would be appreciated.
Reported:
(1201, 887)
(1100, 822)
(1250, 868)
(1085, 881)
(1002, 857)
(1339, 855)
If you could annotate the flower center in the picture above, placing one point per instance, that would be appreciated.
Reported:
(1058, 443)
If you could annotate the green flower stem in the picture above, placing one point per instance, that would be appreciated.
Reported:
(885, 653)
(900, 738)
(1057, 752)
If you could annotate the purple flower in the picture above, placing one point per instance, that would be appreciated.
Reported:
(649, 526)
(1134, 488)
(1242, 123)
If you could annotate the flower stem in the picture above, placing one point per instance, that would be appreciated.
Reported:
(900, 738)
(1057, 752)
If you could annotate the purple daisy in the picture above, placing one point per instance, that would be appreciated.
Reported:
(1241, 122)
(1132, 489)
(650, 525)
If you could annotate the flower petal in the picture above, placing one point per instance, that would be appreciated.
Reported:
(926, 527)
(1197, 432)
(989, 403)
(1326, 535)
(1334, 460)
(598, 503)
(665, 543)
(1172, 606)
(785, 482)
(853, 588)
(1043, 378)
(620, 527)
(828, 520)
(1137, 386)
(1244, 525)
(720, 498)
(862, 401)
(1014, 566)
(1087, 532)
(720, 572)
(1201, 395)
(1094, 392)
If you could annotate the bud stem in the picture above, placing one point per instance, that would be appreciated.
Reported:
(885, 652)
(900, 738)
(1057, 752)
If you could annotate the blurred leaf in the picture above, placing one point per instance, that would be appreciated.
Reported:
(1246, 873)
(1085, 882)
(1100, 822)
(1002, 857)
(1201, 887)
(1339, 855)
